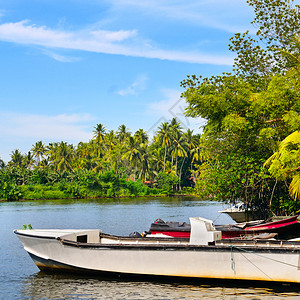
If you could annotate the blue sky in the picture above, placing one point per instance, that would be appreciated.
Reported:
(67, 65)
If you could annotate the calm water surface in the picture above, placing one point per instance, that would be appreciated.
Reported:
(21, 279)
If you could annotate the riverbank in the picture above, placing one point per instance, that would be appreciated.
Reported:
(45, 194)
(34, 185)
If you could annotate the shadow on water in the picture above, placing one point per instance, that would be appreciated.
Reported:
(73, 286)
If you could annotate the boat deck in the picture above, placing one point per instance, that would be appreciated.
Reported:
(114, 242)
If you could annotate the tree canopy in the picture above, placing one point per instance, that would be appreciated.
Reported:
(250, 111)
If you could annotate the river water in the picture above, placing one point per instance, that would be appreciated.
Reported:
(21, 279)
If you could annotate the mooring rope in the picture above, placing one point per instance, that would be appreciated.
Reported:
(232, 260)
(252, 252)
(256, 266)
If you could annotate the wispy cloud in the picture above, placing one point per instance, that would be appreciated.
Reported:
(218, 14)
(61, 58)
(110, 42)
(133, 89)
(56, 127)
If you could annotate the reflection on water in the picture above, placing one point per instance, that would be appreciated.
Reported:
(56, 286)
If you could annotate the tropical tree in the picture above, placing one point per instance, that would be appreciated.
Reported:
(38, 150)
(99, 135)
(175, 125)
(164, 136)
(141, 136)
(179, 147)
(196, 154)
(277, 23)
(29, 160)
(2, 164)
(63, 156)
(132, 153)
(190, 140)
(285, 163)
(145, 157)
(110, 140)
(16, 159)
(83, 155)
(158, 163)
(123, 133)
(243, 129)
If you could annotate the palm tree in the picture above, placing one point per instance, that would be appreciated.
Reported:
(164, 137)
(175, 125)
(2, 164)
(51, 149)
(158, 160)
(123, 133)
(83, 155)
(110, 140)
(141, 136)
(179, 150)
(99, 135)
(29, 160)
(285, 163)
(63, 157)
(16, 159)
(190, 142)
(132, 153)
(189, 138)
(176, 130)
(38, 150)
(145, 158)
(196, 152)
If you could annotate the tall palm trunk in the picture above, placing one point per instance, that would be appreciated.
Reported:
(181, 173)
(165, 157)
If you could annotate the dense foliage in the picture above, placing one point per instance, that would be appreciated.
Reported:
(112, 164)
(250, 112)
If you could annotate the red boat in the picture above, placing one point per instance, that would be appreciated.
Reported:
(284, 229)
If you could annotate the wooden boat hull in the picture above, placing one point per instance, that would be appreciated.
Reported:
(267, 261)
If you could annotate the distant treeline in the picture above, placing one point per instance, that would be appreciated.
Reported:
(111, 164)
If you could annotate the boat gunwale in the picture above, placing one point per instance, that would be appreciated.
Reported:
(281, 246)
(36, 236)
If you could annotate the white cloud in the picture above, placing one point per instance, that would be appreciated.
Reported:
(20, 131)
(25, 33)
(113, 36)
(133, 89)
(110, 42)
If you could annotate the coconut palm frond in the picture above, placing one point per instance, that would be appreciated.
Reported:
(294, 187)
(292, 138)
(271, 158)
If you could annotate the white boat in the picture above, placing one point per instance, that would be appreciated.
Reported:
(205, 255)
(239, 214)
